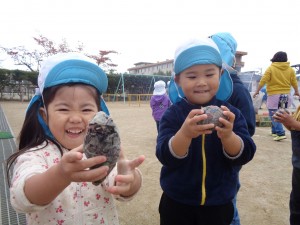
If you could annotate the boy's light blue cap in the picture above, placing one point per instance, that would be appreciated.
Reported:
(199, 52)
(227, 46)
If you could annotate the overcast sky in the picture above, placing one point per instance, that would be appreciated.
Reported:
(150, 31)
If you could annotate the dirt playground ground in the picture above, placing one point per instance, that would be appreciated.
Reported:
(265, 181)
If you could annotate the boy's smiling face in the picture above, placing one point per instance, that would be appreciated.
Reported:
(199, 83)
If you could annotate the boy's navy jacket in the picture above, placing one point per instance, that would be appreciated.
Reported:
(206, 176)
(295, 148)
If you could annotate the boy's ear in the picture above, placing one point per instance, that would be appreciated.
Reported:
(176, 79)
(221, 72)
(43, 113)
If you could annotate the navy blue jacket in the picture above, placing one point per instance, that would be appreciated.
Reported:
(242, 100)
(296, 149)
(205, 176)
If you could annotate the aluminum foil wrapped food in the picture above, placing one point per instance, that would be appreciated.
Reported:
(213, 114)
(102, 138)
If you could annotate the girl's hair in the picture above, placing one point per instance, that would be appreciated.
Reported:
(32, 133)
(279, 57)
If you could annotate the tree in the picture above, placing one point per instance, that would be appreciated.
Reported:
(33, 59)
(23, 57)
(103, 60)
(4, 79)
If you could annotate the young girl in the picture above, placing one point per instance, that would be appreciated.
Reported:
(200, 168)
(292, 123)
(51, 180)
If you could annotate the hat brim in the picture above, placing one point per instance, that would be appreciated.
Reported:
(223, 94)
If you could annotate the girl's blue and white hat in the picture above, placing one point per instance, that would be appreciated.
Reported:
(199, 52)
(66, 68)
(73, 67)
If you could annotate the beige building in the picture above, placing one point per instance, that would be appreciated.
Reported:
(166, 67)
(159, 68)
(239, 64)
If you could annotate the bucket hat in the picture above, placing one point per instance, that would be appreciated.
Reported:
(198, 52)
(159, 88)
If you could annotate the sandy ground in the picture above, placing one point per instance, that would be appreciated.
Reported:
(265, 181)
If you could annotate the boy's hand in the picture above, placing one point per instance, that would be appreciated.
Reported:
(284, 117)
(226, 130)
(191, 129)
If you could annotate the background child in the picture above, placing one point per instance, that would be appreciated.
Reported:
(200, 166)
(279, 78)
(292, 123)
(51, 181)
(240, 97)
(159, 101)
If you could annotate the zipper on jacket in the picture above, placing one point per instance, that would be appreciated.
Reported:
(203, 190)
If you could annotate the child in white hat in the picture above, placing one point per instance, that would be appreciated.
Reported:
(51, 180)
(159, 101)
(200, 162)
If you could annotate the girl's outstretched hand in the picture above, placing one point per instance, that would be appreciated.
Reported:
(74, 169)
(42, 188)
(129, 179)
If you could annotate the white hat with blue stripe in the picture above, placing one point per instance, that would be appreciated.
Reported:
(198, 52)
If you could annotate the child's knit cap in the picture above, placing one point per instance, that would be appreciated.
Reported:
(199, 52)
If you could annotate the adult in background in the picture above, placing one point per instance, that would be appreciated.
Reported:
(159, 101)
(279, 77)
(240, 97)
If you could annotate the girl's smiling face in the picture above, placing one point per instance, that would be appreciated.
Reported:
(69, 112)
(199, 83)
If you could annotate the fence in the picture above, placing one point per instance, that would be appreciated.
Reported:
(131, 99)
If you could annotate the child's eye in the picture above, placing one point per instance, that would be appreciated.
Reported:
(210, 75)
(87, 110)
(63, 109)
(191, 77)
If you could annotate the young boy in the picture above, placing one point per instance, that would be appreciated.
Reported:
(200, 163)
